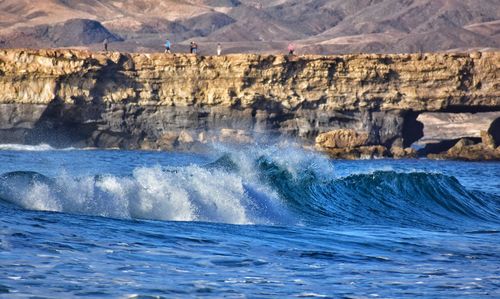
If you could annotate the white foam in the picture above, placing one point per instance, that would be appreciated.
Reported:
(29, 148)
(23, 147)
(40, 197)
(188, 193)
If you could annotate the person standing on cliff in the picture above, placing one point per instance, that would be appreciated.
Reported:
(105, 44)
(291, 49)
(195, 48)
(167, 46)
(219, 49)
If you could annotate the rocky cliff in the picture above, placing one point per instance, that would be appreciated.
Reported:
(80, 98)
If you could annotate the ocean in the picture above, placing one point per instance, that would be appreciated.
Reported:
(245, 222)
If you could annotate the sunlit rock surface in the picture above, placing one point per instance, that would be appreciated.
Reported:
(162, 101)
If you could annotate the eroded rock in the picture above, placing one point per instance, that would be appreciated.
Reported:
(343, 138)
(466, 149)
(159, 101)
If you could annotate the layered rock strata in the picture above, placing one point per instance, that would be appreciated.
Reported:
(162, 101)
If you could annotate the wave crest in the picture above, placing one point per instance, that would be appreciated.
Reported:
(270, 186)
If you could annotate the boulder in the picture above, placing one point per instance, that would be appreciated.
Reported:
(343, 138)
(460, 146)
(400, 152)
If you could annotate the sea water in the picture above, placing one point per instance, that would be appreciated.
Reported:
(248, 222)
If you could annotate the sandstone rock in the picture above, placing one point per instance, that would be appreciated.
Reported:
(460, 146)
(466, 149)
(370, 152)
(202, 137)
(487, 140)
(147, 100)
(362, 152)
(333, 83)
(185, 137)
(343, 138)
(475, 55)
(399, 152)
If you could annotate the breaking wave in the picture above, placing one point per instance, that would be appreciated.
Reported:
(260, 187)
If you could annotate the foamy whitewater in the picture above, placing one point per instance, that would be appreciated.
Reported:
(264, 222)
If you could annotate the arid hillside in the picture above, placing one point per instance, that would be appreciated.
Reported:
(315, 26)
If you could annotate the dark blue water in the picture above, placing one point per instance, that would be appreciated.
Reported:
(257, 223)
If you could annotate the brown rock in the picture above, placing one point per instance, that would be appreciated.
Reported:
(475, 55)
(343, 138)
(399, 152)
(185, 137)
(465, 149)
(362, 152)
(402, 82)
(460, 146)
(487, 140)
(119, 100)
(370, 152)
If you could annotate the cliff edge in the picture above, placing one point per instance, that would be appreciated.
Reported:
(164, 101)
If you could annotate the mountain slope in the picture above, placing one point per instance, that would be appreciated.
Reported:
(316, 26)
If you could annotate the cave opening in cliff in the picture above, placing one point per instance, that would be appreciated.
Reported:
(442, 130)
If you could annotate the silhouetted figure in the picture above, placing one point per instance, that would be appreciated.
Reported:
(291, 49)
(219, 49)
(168, 46)
(105, 44)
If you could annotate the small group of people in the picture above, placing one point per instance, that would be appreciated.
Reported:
(193, 48)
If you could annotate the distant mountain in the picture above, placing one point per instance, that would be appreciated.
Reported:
(74, 32)
(315, 26)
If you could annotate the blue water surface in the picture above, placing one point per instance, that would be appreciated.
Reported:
(255, 222)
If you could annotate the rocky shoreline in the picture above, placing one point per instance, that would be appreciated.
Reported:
(349, 106)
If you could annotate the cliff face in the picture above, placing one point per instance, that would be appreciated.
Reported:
(80, 98)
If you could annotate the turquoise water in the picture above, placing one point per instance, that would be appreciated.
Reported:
(250, 222)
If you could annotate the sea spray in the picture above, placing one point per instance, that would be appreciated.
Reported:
(260, 185)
